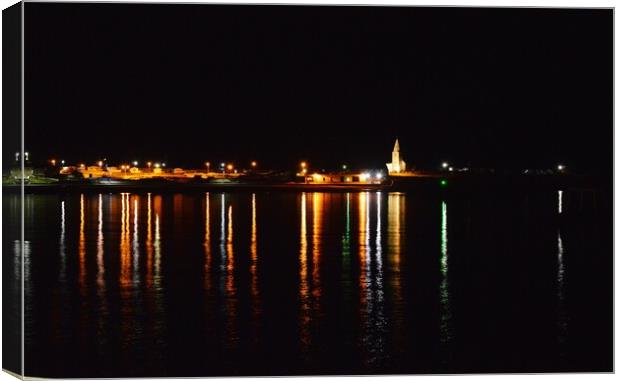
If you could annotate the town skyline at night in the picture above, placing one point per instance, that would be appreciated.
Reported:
(330, 84)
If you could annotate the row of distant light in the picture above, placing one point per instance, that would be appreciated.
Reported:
(149, 164)
(445, 165)
(229, 166)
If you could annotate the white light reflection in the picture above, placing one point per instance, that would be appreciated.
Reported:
(100, 264)
(444, 295)
(63, 248)
(207, 241)
(562, 313)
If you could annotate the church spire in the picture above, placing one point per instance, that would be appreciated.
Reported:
(396, 146)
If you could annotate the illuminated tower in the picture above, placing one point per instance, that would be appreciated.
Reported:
(397, 165)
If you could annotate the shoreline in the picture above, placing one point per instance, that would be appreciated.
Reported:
(434, 184)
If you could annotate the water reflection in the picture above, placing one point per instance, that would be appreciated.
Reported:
(303, 275)
(135, 272)
(346, 250)
(253, 249)
(17, 264)
(100, 263)
(62, 244)
(157, 244)
(232, 338)
(207, 242)
(125, 250)
(222, 233)
(395, 237)
(317, 221)
(374, 325)
(149, 242)
(562, 312)
(82, 249)
(101, 287)
(135, 246)
(444, 293)
(396, 228)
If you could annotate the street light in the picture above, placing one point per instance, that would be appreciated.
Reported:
(208, 164)
(560, 167)
(253, 164)
(444, 165)
(229, 167)
(135, 163)
(344, 167)
(303, 164)
(99, 163)
(148, 164)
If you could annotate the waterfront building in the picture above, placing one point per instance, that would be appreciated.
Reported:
(343, 178)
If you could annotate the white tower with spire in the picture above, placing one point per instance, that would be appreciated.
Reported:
(397, 165)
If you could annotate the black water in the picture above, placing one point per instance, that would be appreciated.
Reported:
(121, 285)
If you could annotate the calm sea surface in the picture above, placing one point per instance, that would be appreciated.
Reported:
(281, 283)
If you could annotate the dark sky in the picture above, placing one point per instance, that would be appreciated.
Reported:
(188, 83)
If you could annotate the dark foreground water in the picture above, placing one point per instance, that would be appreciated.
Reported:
(313, 283)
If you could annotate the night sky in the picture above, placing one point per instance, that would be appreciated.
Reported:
(503, 88)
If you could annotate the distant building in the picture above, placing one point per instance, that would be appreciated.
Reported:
(341, 178)
(397, 165)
